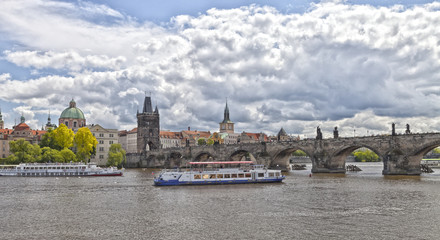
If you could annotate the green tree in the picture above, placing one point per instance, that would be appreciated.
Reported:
(51, 155)
(63, 136)
(23, 151)
(436, 151)
(299, 153)
(68, 155)
(210, 142)
(85, 143)
(201, 142)
(365, 156)
(116, 155)
(48, 140)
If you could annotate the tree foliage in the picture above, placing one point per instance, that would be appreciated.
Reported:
(299, 153)
(48, 140)
(85, 143)
(63, 136)
(116, 155)
(23, 151)
(365, 156)
(51, 155)
(436, 151)
(68, 155)
(201, 142)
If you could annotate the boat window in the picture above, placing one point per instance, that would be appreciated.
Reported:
(260, 175)
(277, 174)
(241, 175)
(234, 175)
(197, 176)
(211, 175)
(219, 175)
(58, 168)
(270, 174)
(248, 175)
(227, 175)
(205, 176)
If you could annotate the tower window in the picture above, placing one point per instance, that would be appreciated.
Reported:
(67, 123)
(74, 124)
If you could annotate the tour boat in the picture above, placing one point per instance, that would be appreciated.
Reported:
(206, 174)
(57, 170)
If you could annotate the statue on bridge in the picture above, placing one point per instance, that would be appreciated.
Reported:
(318, 133)
(407, 129)
(393, 129)
(335, 133)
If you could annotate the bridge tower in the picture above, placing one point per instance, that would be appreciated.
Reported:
(226, 126)
(148, 128)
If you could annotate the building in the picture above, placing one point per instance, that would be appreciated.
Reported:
(190, 138)
(128, 140)
(148, 130)
(246, 137)
(170, 139)
(49, 125)
(105, 137)
(282, 135)
(72, 117)
(226, 125)
(20, 131)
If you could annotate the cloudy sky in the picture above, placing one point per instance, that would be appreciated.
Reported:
(358, 65)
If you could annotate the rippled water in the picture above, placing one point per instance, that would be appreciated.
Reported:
(363, 205)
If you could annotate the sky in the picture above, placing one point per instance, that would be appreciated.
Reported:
(357, 65)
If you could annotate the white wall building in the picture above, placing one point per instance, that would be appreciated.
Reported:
(105, 137)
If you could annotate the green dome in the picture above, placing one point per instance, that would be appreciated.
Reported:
(72, 112)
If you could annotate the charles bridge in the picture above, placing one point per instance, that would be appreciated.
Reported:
(400, 154)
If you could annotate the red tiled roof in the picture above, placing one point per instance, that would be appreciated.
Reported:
(21, 127)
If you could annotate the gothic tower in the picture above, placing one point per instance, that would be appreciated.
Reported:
(148, 128)
(2, 123)
(226, 125)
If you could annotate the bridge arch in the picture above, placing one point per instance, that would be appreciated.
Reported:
(281, 159)
(204, 156)
(340, 156)
(241, 155)
(173, 160)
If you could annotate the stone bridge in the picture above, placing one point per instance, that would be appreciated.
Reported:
(401, 154)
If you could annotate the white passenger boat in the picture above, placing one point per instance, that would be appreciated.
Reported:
(203, 173)
(57, 170)
(432, 163)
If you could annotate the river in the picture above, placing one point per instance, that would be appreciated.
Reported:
(357, 205)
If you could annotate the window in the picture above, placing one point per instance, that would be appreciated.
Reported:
(111, 135)
(219, 175)
(101, 141)
(260, 175)
(74, 124)
(248, 174)
(197, 176)
(66, 123)
(110, 142)
(101, 156)
(101, 135)
(227, 175)
(101, 149)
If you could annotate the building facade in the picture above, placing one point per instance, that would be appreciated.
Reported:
(72, 117)
(148, 129)
(105, 138)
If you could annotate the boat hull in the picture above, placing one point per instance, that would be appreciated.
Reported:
(158, 182)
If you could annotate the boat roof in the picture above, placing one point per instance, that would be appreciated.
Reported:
(224, 162)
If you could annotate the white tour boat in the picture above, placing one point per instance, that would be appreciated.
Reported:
(208, 176)
(57, 170)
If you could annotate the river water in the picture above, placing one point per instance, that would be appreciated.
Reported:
(362, 205)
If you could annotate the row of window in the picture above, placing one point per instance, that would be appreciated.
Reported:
(102, 135)
(234, 175)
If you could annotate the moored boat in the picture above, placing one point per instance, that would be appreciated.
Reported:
(203, 173)
(57, 170)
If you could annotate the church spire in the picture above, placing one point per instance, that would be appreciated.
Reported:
(226, 113)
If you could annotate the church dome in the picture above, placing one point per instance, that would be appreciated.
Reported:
(72, 112)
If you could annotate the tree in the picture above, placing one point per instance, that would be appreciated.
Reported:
(68, 155)
(201, 142)
(63, 136)
(23, 151)
(436, 151)
(116, 155)
(210, 142)
(299, 153)
(85, 143)
(366, 156)
(48, 140)
(51, 155)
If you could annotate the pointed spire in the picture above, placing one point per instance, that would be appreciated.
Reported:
(147, 105)
(226, 113)
(1, 117)
(156, 110)
(48, 118)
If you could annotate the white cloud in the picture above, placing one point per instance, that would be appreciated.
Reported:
(337, 64)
